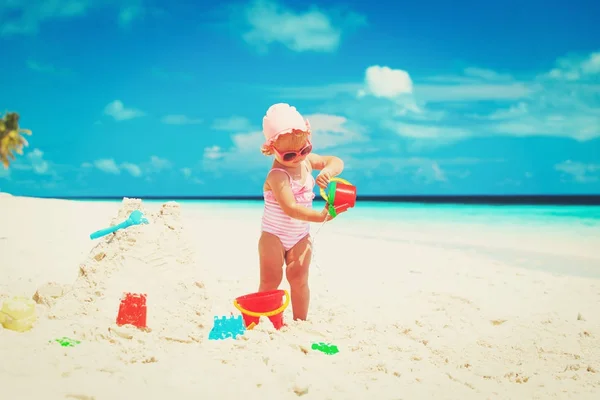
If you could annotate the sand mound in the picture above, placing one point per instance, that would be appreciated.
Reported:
(154, 259)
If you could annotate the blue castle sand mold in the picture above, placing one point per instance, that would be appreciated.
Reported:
(227, 327)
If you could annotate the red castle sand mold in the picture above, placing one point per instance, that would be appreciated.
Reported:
(132, 310)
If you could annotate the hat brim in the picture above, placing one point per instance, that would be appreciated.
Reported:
(272, 139)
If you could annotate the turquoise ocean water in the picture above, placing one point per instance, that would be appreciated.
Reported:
(588, 216)
(579, 223)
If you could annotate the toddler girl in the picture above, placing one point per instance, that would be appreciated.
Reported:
(288, 194)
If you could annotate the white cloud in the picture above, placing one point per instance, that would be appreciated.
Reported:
(187, 172)
(421, 170)
(560, 109)
(591, 66)
(576, 68)
(430, 172)
(471, 75)
(38, 164)
(159, 164)
(245, 149)
(325, 92)
(416, 131)
(35, 162)
(327, 123)
(516, 110)
(133, 169)
(328, 131)
(21, 17)
(213, 153)
(46, 68)
(474, 84)
(248, 142)
(578, 127)
(179, 119)
(232, 124)
(471, 92)
(387, 82)
(269, 22)
(486, 74)
(451, 91)
(107, 165)
(333, 130)
(110, 166)
(578, 171)
(117, 110)
(399, 163)
(477, 102)
(396, 84)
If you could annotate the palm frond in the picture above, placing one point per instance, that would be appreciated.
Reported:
(11, 138)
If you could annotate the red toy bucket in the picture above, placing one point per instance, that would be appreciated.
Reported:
(345, 195)
(132, 310)
(340, 197)
(263, 304)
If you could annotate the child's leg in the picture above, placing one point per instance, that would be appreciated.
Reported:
(298, 260)
(271, 255)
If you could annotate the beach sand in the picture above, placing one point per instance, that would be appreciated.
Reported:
(417, 310)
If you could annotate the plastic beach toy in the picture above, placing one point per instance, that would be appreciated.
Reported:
(135, 218)
(328, 349)
(227, 327)
(67, 342)
(263, 304)
(132, 310)
(18, 314)
(341, 195)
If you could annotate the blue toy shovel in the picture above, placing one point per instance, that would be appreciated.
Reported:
(135, 218)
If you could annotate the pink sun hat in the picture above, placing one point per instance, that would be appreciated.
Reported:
(282, 118)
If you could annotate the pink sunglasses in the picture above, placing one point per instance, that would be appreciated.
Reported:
(289, 156)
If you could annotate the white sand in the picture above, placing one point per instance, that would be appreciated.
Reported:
(429, 311)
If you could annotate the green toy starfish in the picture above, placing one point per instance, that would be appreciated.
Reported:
(325, 348)
(67, 342)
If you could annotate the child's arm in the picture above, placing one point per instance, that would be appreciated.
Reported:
(331, 164)
(279, 184)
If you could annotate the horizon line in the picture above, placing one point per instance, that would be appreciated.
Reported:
(512, 199)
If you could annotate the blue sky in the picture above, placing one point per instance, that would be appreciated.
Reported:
(141, 97)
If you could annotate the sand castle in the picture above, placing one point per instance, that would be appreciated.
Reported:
(155, 259)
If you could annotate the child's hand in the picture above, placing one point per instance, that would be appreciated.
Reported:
(325, 216)
(323, 179)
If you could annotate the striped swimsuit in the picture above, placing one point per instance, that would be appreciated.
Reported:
(289, 230)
